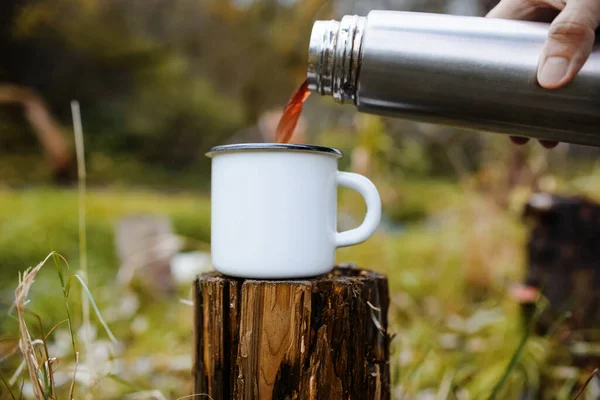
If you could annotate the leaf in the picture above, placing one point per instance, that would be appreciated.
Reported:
(96, 310)
(58, 266)
(517, 354)
(67, 289)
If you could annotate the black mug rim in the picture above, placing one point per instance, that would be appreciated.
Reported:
(240, 147)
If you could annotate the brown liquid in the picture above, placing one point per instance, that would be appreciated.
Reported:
(291, 114)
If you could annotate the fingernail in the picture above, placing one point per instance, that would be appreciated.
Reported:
(553, 71)
(549, 144)
(519, 139)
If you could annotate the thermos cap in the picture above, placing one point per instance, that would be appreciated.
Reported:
(334, 57)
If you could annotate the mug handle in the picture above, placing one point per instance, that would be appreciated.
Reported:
(369, 192)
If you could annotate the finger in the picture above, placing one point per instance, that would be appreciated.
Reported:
(514, 9)
(519, 139)
(549, 144)
(569, 43)
(546, 14)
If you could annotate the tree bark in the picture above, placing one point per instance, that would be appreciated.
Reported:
(323, 338)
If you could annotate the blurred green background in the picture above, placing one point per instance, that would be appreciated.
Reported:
(160, 82)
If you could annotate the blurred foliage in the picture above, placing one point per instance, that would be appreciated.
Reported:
(455, 324)
(159, 81)
(49, 220)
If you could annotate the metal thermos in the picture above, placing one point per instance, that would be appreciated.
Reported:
(470, 72)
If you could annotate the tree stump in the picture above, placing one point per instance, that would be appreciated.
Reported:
(563, 255)
(323, 338)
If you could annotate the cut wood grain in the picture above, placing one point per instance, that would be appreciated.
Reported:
(323, 338)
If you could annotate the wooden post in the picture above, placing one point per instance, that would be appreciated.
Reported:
(323, 338)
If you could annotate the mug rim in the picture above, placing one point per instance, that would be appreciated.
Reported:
(240, 147)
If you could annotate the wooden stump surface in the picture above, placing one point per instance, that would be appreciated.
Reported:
(323, 338)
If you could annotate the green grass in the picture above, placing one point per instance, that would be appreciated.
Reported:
(33, 222)
(456, 329)
(451, 312)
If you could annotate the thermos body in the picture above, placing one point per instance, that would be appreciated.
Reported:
(470, 72)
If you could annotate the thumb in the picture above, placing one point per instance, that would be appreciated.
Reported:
(570, 41)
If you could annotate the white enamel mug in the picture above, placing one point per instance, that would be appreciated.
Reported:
(274, 210)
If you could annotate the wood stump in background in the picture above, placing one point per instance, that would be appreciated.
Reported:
(564, 260)
(322, 338)
(145, 246)
(563, 255)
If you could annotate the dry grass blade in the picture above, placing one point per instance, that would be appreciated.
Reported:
(81, 175)
(186, 302)
(81, 188)
(373, 307)
(54, 327)
(38, 363)
(377, 324)
(21, 389)
(196, 395)
(596, 374)
(17, 373)
(157, 395)
(51, 383)
(7, 387)
(72, 388)
(26, 342)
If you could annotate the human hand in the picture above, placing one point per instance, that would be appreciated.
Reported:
(570, 38)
